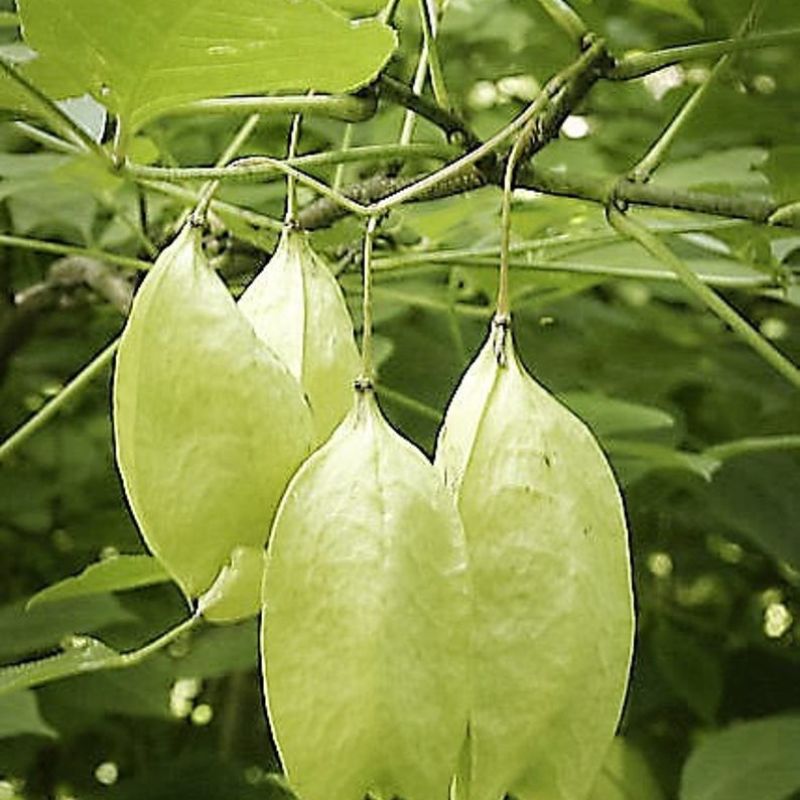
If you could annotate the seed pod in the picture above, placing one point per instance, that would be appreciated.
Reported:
(297, 308)
(209, 424)
(553, 614)
(365, 621)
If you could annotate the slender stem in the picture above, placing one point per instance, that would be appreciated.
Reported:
(596, 188)
(291, 182)
(366, 339)
(389, 10)
(753, 444)
(636, 66)
(347, 140)
(344, 107)
(134, 657)
(140, 171)
(57, 248)
(209, 189)
(259, 167)
(50, 112)
(421, 72)
(224, 210)
(566, 18)
(411, 403)
(429, 24)
(94, 368)
(47, 139)
(9, 19)
(586, 61)
(445, 119)
(654, 157)
(639, 233)
(517, 151)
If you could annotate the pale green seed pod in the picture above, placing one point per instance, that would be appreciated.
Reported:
(365, 622)
(553, 609)
(296, 306)
(209, 424)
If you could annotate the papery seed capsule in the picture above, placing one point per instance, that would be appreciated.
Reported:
(553, 612)
(366, 604)
(296, 306)
(209, 424)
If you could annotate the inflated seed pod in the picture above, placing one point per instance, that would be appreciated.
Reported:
(553, 613)
(296, 306)
(209, 424)
(365, 620)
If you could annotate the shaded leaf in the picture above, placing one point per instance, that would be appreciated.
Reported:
(46, 626)
(19, 714)
(748, 761)
(142, 58)
(693, 672)
(110, 575)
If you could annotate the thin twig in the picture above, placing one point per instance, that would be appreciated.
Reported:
(639, 233)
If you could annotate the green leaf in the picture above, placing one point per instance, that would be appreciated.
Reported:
(143, 58)
(693, 672)
(45, 626)
(782, 168)
(748, 761)
(607, 416)
(625, 775)
(678, 8)
(19, 714)
(757, 497)
(83, 654)
(111, 575)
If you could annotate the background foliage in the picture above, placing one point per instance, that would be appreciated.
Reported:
(714, 705)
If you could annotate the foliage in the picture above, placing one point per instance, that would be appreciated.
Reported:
(701, 431)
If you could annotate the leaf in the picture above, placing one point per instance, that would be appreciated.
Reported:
(607, 416)
(110, 575)
(19, 714)
(45, 626)
(84, 654)
(782, 168)
(694, 673)
(678, 8)
(757, 497)
(365, 636)
(143, 58)
(748, 761)
(625, 775)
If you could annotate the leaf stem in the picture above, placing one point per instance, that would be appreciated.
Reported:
(753, 444)
(367, 356)
(639, 233)
(209, 189)
(348, 108)
(290, 218)
(566, 18)
(637, 66)
(429, 25)
(58, 248)
(517, 153)
(587, 61)
(657, 152)
(51, 113)
(94, 368)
